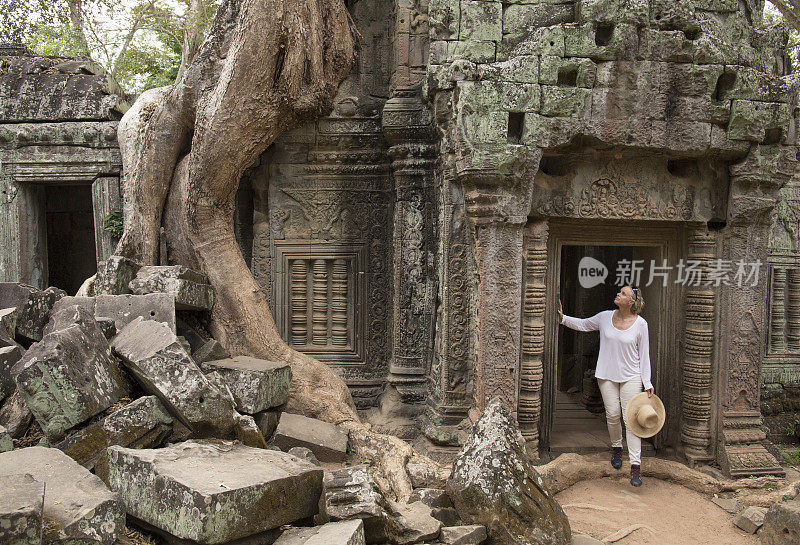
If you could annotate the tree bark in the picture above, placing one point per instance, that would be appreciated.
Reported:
(267, 67)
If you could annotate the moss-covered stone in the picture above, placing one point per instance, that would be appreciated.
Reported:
(481, 20)
(563, 101)
(256, 385)
(443, 19)
(752, 120)
(569, 72)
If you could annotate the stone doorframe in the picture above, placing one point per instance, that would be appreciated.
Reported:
(544, 242)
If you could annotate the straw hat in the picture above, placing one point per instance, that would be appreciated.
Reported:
(645, 415)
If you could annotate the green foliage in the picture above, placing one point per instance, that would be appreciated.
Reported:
(112, 223)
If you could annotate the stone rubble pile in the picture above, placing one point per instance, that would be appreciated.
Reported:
(114, 411)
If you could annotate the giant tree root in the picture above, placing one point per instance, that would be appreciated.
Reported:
(569, 469)
(267, 67)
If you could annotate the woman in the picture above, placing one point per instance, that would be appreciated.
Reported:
(623, 367)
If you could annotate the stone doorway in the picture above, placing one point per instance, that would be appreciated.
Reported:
(567, 355)
(70, 235)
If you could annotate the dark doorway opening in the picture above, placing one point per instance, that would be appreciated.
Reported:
(579, 423)
(71, 255)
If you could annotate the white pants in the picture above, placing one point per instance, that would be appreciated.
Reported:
(615, 397)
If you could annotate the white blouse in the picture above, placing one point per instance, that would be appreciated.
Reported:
(624, 353)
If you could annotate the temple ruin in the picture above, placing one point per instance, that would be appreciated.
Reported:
(419, 237)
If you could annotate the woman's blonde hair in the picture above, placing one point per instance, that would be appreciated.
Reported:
(638, 300)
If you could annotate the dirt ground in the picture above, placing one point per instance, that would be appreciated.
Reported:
(671, 514)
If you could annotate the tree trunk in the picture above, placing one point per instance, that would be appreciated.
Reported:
(267, 66)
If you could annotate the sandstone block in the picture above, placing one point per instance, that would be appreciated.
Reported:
(8, 326)
(33, 307)
(494, 484)
(781, 524)
(248, 432)
(152, 353)
(267, 422)
(412, 523)
(123, 309)
(142, 423)
(326, 441)
(209, 351)
(463, 535)
(21, 506)
(15, 415)
(432, 497)
(9, 355)
(350, 494)
(751, 519)
(114, 275)
(256, 385)
(214, 492)
(77, 505)
(190, 289)
(349, 532)
(67, 378)
(305, 454)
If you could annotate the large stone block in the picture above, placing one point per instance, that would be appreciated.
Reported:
(190, 289)
(9, 356)
(67, 378)
(464, 535)
(481, 20)
(123, 309)
(256, 385)
(78, 507)
(349, 532)
(15, 415)
(751, 519)
(326, 441)
(159, 362)
(214, 492)
(412, 523)
(752, 120)
(142, 423)
(494, 484)
(33, 307)
(351, 494)
(782, 524)
(209, 351)
(8, 326)
(21, 505)
(113, 276)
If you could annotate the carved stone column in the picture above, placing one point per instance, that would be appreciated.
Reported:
(742, 315)
(531, 367)
(697, 393)
(407, 126)
(105, 198)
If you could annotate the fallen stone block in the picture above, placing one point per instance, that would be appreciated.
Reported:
(351, 494)
(305, 454)
(214, 492)
(190, 289)
(6, 442)
(256, 385)
(781, 524)
(267, 422)
(123, 309)
(448, 516)
(751, 519)
(32, 305)
(15, 415)
(21, 505)
(153, 355)
(412, 523)
(248, 433)
(211, 350)
(78, 507)
(67, 378)
(463, 535)
(349, 532)
(432, 497)
(9, 355)
(326, 441)
(8, 326)
(731, 505)
(494, 484)
(113, 276)
(143, 423)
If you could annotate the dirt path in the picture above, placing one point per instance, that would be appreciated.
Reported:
(673, 514)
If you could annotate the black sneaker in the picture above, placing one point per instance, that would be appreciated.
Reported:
(616, 457)
(636, 475)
